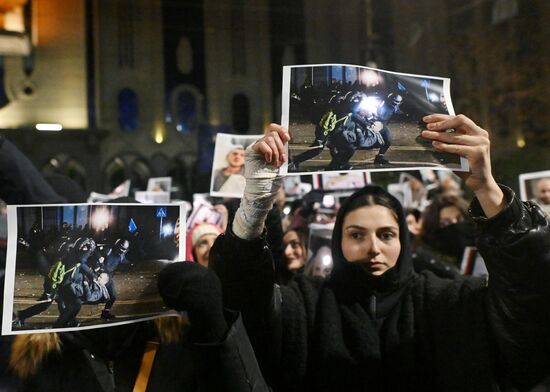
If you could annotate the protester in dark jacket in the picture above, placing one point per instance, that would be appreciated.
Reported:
(105, 359)
(376, 325)
(21, 182)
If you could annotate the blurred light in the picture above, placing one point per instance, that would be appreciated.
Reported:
(328, 201)
(370, 78)
(159, 138)
(326, 260)
(100, 219)
(49, 127)
(434, 97)
(286, 210)
(167, 229)
(369, 104)
(520, 142)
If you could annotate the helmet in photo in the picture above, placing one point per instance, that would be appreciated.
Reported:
(83, 246)
(121, 246)
(395, 99)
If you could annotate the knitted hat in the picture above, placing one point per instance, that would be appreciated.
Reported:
(202, 230)
(194, 235)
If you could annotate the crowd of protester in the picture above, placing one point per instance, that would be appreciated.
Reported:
(382, 303)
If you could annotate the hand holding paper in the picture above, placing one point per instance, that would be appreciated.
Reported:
(262, 162)
(471, 142)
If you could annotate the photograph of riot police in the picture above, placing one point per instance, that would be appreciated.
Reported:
(349, 117)
(97, 263)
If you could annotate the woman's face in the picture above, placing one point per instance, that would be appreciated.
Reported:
(370, 236)
(413, 225)
(202, 248)
(294, 250)
(449, 216)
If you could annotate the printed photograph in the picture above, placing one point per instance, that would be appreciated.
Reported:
(205, 213)
(159, 184)
(152, 197)
(536, 187)
(346, 117)
(122, 190)
(86, 266)
(294, 187)
(344, 181)
(319, 261)
(227, 178)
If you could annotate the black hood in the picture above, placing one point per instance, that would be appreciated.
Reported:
(350, 281)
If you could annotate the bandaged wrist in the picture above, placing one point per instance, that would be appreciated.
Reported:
(262, 184)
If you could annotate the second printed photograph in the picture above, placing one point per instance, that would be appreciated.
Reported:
(347, 117)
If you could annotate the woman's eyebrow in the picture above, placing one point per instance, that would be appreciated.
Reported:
(355, 227)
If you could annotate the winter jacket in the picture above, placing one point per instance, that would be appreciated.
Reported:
(108, 359)
(401, 331)
(21, 182)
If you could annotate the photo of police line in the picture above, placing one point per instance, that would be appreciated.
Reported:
(299, 284)
(363, 118)
(68, 257)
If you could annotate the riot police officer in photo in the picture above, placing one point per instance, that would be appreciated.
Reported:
(108, 264)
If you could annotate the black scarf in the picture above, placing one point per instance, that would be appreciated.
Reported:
(365, 323)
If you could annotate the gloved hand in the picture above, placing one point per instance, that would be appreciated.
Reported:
(187, 286)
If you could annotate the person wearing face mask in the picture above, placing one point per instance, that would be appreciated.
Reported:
(446, 231)
(375, 324)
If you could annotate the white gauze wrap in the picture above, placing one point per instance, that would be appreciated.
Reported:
(262, 184)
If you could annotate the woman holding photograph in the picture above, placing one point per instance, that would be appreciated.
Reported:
(375, 324)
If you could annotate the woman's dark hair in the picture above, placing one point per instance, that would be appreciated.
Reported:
(414, 212)
(430, 217)
(368, 200)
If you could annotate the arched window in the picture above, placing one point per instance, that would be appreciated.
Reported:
(186, 111)
(68, 166)
(128, 110)
(241, 113)
(127, 166)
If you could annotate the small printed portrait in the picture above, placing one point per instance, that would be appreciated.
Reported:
(345, 117)
(159, 184)
(343, 181)
(152, 197)
(294, 187)
(320, 261)
(228, 168)
(536, 187)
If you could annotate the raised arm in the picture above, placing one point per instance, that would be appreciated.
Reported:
(471, 142)
(514, 240)
(262, 162)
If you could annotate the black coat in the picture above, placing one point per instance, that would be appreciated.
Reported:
(401, 331)
(109, 359)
